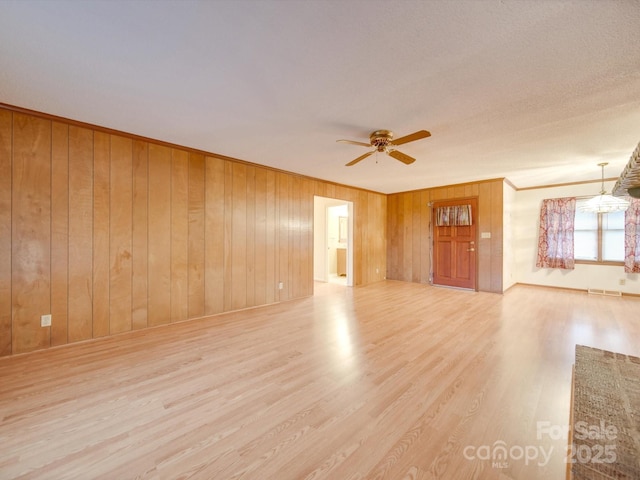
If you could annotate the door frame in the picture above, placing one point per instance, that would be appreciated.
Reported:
(321, 241)
(474, 215)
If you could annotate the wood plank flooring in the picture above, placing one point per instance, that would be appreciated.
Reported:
(389, 381)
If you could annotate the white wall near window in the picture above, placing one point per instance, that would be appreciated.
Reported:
(508, 253)
(525, 214)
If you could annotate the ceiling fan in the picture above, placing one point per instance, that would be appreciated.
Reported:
(382, 141)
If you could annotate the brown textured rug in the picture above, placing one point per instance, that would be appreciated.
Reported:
(606, 416)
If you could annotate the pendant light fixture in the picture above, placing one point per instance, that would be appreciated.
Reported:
(604, 203)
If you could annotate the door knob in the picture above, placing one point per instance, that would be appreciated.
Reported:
(471, 249)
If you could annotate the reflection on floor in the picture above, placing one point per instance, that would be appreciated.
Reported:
(328, 288)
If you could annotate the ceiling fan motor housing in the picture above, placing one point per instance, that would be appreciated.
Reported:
(381, 139)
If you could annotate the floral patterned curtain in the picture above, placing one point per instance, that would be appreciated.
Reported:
(555, 238)
(453, 215)
(632, 237)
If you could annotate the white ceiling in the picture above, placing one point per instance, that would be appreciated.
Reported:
(535, 91)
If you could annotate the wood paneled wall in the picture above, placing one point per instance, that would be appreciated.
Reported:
(111, 233)
(409, 241)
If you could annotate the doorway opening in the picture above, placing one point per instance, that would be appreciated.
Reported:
(332, 241)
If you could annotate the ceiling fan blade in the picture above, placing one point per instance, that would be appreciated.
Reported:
(354, 143)
(361, 157)
(411, 137)
(406, 159)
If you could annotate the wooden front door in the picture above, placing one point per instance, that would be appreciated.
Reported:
(454, 249)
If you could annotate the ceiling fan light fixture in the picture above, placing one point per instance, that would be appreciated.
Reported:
(604, 203)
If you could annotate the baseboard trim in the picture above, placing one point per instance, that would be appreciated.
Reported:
(609, 293)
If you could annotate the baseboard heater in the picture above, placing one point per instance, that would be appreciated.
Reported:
(609, 293)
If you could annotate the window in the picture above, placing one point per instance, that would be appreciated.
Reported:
(598, 237)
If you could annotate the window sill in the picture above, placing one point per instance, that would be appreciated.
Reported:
(595, 262)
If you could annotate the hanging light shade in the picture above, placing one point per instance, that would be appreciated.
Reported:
(604, 203)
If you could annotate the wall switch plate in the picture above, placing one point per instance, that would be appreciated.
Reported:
(485, 235)
(45, 320)
(280, 286)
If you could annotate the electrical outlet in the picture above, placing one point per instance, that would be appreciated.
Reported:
(622, 281)
(377, 270)
(45, 320)
(280, 286)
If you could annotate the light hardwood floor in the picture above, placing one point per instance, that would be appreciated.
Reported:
(393, 380)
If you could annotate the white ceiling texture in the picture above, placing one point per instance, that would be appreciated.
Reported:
(535, 91)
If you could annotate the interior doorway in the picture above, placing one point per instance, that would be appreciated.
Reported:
(333, 241)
